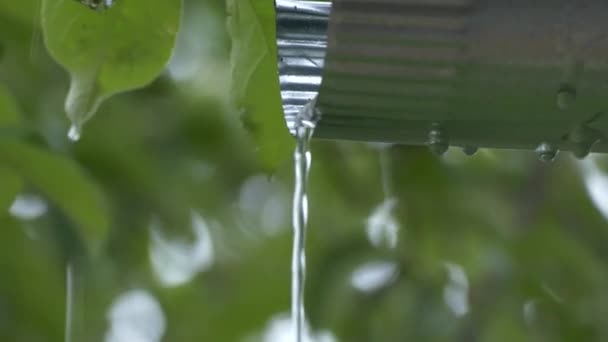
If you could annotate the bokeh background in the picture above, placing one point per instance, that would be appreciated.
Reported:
(402, 245)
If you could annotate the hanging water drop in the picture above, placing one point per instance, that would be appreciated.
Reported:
(438, 143)
(304, 127)
(581, 150)
(583, 138)
(546, 152)
(81, 103)
(469, 150)
(566, 96)
(74, 133)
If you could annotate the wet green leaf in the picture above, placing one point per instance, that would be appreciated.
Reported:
(254, 77)
(108, 52)
(64, 183)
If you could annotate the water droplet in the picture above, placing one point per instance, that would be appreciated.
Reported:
(566, 96)
(438, 143)
(74, 133)
(581, 150)
(582, 138)
(546, 152)
(469, 150)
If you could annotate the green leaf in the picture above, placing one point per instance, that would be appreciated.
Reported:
(256, 90)
(10, 114)
(64, 183)
(108, 52)
(10, 185)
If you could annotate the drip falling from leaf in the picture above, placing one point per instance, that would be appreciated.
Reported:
(81, 103)
(74, 133)
(107, 53)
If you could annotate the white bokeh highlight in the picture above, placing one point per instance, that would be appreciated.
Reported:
(456, 291)
(177, 262)
(136, 316)
(279, 329)
(196, 61)
(529, 311)
(373, 276)
(263, 204)
(596, 183)
(382, 227)
(28, 207)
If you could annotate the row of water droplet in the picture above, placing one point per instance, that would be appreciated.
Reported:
(581, 140)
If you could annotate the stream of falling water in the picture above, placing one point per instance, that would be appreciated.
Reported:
(304, 128)
(69, 303)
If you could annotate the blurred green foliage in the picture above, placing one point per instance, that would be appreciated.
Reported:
(527, 236)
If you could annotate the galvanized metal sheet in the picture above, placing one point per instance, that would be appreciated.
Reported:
(302, 43)
(493, 73)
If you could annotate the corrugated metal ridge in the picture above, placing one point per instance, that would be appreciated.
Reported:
(390, 59)
(302, 43)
